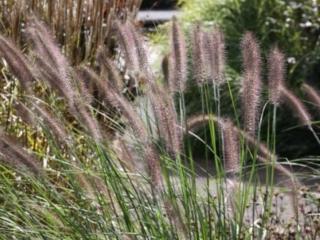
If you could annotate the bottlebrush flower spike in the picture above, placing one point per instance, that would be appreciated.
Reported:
(215, 45)
(199, 57)
(177, 58)
(276, 74)
(312, 94)
(251, 83)
(118, 101)
(140, 48)
(231, 151)
(297, 106)
(47, 48)
(137, 125)
(109, 70)
(167, 120)
(18, 63)
(12, 153)
(128, 45)
(49, 56)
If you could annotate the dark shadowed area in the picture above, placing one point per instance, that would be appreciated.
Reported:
(158, 4)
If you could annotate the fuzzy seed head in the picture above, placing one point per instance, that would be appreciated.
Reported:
(297, 106)
(231, 152)
(312, 94)
(276, 72)
(177, 58)
(251, 54)
(215, 51)
(154, 167)
(115, 99)
(167, 120)
(251, 83)
(49, 55)
(12, 153)
(17, 62)
(109, 70)
(47, 48)
(199, 56)
(127, 45)
(140, 48)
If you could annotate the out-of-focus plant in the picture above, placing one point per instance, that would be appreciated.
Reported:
(80, 26)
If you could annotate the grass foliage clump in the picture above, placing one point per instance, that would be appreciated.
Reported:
(79, 26)
(105, 150)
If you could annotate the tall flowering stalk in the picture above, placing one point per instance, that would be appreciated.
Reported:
(199, 55)
(128, 46)
(44, 44)
(12, 153)
(177, 58)
(278, 91)
(109, 70)
(115, 98)
(215, 52)
(276, 74)
(55, 69)
(251, 83)
(160, 99)
(312, 94)
(231, 150)
(140, 46)
(297, 106)
(18, 64)
(167, 120)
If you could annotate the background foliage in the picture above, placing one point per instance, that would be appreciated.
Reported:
(294, 25)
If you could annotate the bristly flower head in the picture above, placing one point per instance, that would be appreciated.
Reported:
(46, 46)
(177, 58)
(12, 153)
(54, 65)
(251, 54)
(17, 62)
(251, 84)
(128, 45)
(297, 106)
(109, 69)
(167, 120)
(231, 152)
(312, 94)
(215, 51)
(276, 74)
(199, 57)
(132, 44)
(140, 47)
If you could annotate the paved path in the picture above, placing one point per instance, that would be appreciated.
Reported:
(156, 16)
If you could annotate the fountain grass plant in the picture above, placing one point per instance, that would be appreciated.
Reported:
(66, 174)
(79, 26)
